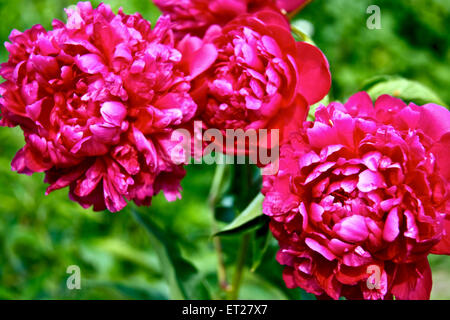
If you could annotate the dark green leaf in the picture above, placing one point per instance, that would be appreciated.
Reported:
(249, 219)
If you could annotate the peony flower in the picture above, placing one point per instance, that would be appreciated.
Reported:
(259, 78)
(362, 198)
(196, 16)
(97, 99)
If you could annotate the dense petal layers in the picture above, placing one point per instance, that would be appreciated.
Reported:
(196, 16)
(97, 99)
(260, 77)
(362, 197)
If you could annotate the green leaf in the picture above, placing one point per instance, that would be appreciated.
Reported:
(249, 219)
(407, 90)
(185, 282)
(260, 243)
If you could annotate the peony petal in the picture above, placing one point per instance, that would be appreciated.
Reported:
(315, 77)
(359, 257)
(360, 104)
(322, 135)
(91, 180)
(203, 59)
(289, 279)
(434, 121)
(309, 159)
(113, 112)
(370, 181)
(317, 247)
(391, 226)
(316, 212)
(352, 229)
(442, 154)
(91, 63)
(339, 247)
(372, 160)
(412, 230)
(34, 110)
(253, 103)
(105, 133)
(413, 281)
(443, 247)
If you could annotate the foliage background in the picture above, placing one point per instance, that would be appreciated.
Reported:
(41, 236)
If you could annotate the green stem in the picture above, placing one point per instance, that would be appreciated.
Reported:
(245, 242)
(221, 269)
(240, 266)
(217, 184)
(213, 199)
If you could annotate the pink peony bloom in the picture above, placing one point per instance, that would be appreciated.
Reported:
(362, 197)
(97, 99)
(259, 76)
(196, 16)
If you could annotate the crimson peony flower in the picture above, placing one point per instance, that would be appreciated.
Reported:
(196, 16)
(362, 198)
(259, 77)
(97, 99)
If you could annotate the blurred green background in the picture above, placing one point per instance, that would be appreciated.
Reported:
(41, 236)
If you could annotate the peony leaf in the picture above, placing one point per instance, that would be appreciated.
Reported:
(407, 90)
(249, 219)
(183, 278)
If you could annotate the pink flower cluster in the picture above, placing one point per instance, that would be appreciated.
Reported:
(98, 98)
(362, 195)
(364, 188)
